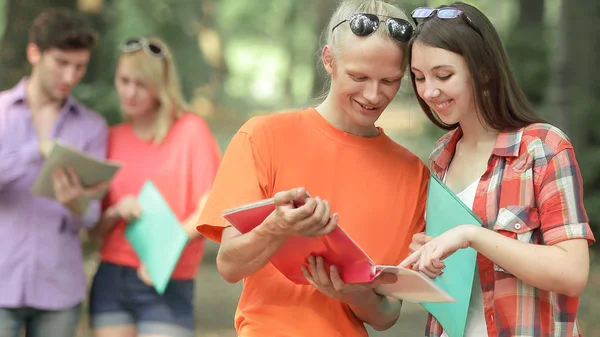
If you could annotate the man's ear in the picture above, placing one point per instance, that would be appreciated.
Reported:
(34, 54)
(327, 57)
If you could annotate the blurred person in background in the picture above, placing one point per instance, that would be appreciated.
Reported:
(42, 284)
(161, 141)
(516, 172)
(356, 175)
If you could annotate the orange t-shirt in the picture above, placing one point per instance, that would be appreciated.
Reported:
(377, 187)
(182, 167)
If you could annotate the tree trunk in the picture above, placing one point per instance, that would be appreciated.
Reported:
(104, 56)
(20, 16)
(323, 10)
(528, 49)
(573, 96)
(177, 26)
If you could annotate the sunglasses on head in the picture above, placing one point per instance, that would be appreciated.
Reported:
(136, 43)
(364, 24)
(444, 13)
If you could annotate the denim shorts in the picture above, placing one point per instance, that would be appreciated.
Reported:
(118, 297)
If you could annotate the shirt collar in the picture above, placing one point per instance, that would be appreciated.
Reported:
(507, 145)
(18, 95)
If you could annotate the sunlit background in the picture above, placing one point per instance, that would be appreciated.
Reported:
(238, 59)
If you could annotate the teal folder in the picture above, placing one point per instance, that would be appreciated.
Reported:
(444, 211)
(157, 236)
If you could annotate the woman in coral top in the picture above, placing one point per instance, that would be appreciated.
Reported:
(174, 149)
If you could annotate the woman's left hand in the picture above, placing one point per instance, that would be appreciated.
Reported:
(428, 258)
(143, 275)
(331, 284)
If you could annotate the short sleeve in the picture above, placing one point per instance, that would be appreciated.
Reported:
(560, 201)
(242, 178)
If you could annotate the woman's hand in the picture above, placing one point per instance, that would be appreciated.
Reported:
(128, 208)
(143, 275)
(428, 258)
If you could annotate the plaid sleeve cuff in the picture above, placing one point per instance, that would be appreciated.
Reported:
(569, 232)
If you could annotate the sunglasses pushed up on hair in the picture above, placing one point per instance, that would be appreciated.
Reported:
(444, 13)
(151, 48)
(364, 24)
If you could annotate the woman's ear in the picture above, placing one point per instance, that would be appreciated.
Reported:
(327, 58)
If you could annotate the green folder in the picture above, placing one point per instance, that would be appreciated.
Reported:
(157, 236)
(444, 211)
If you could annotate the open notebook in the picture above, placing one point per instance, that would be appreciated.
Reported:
(336, 248)
(89, 170)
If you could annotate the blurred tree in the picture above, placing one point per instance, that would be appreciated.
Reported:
(323, 9)
(13, 62)
(96, 89)
(177, 23)
(208, 39)
(573, 96)
(528, 50)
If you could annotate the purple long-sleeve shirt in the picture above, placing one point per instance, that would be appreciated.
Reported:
(41, 264)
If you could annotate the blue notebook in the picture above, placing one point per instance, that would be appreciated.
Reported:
(157, 236)
(444, 211)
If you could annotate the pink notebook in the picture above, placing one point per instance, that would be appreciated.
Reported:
(336, 248)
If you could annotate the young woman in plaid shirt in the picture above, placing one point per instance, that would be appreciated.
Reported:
(517, 173)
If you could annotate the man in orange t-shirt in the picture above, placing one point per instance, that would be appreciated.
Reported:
(377, 187)
(356, 175)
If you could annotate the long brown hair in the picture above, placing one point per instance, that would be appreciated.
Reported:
(500, 102)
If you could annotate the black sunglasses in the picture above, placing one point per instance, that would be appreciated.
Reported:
(364, 24)
(444, 13)
(136, 43)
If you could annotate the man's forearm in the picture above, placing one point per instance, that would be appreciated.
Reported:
(380, 312)
(241, 255)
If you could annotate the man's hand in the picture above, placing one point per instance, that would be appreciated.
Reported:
(70, 193)
(297, 213)
(330, 283)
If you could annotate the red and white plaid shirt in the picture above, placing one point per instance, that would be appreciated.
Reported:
(532, 192)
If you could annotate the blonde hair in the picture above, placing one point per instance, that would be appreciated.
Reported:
(160, 75)
(344, 11)
(380, 8)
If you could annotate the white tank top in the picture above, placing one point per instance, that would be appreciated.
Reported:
(475, 326)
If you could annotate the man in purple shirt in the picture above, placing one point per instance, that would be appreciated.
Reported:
(42, 283)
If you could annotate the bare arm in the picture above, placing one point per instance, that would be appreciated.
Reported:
(240, 255)
(380, 312)
(107, 222)
(562, 268)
